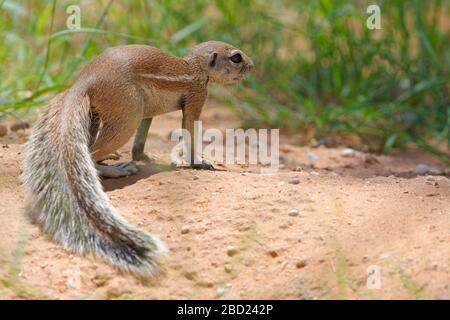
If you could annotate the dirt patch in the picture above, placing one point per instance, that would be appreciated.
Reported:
(311, 238)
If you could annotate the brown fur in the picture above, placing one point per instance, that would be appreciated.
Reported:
(122, 97)
(116, 92)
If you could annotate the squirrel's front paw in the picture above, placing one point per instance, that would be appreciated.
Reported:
(204, 165)
(143, 157)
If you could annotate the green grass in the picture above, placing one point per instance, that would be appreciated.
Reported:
(318, 68)
(416, 291)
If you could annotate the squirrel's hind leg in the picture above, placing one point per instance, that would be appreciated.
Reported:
(112, 141)
(118, 170)
(112, 135)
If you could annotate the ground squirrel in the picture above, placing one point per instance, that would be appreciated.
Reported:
(118, 92)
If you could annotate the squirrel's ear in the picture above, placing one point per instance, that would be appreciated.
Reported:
(212, 62)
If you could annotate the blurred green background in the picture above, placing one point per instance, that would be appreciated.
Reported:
(320, 73)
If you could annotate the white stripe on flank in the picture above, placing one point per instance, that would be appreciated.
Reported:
(180, 78)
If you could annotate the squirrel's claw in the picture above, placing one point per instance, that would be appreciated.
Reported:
(112, 156)
(143, 157)
(204, 165)
(118, 170)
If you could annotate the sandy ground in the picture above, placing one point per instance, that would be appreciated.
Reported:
(354, 216)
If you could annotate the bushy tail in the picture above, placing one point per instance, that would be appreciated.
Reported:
(66, 197)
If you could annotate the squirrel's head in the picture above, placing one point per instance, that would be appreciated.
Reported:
(224, 63)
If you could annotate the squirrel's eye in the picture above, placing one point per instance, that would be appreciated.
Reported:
(236, 58)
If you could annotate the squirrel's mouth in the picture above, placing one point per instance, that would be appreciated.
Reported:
(244, 69)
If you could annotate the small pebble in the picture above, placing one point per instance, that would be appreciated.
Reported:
(436, 172)
(422, 168)
(252, 196)
(221, 291)
(312, 156)
(195, 178)
(228, 267)
(184, 229)
(321, 142)
(293, 212)
(273, 253)
(314, 143)
(370, 158)
(100, 280)
(190, 275)
(348, 153)
(20, 125)
(298, 169)
(383, 256)
(294, 180)
(429, 178)
(301, 263)
(231, 251)
(314, 173)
